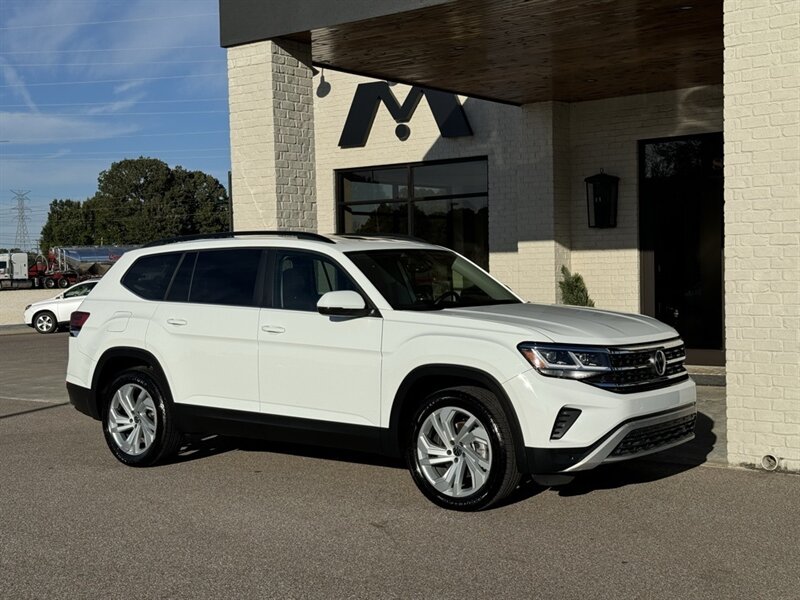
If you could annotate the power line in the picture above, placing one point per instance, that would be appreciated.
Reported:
(139, 49)
(125, 114)
(50, 154)
(62, 140)
(139, 62)
(130, 80)
(161, 18)
(115, 101)
(100, 158)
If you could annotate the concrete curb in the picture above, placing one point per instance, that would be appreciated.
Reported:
(14, 329)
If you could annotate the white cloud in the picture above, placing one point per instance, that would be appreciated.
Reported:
(116, 106)
(34, 128)
(128, 86)
(13, 79)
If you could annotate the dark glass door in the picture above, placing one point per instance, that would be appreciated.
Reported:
(681, 237)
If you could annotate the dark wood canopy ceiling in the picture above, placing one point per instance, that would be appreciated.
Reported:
(522, 51)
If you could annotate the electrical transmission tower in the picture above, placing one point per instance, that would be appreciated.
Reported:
(21, 240)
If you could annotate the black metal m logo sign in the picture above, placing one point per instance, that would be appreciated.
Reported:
(446, 109)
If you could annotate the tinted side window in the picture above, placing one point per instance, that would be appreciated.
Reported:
(179, 290)
(301, 279)
(226, 277)
(150, 275)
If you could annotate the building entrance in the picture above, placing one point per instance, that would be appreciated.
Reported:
(681, 239)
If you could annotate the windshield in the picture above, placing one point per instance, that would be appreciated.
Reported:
(429, 279)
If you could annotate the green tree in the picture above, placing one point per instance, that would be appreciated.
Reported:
(67, 225)
(138, 201)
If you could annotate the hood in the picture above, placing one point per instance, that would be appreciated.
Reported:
(571, 324)
(47, 301)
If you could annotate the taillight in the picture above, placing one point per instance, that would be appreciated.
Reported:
(76, 321)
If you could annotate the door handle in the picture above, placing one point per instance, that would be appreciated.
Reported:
(272, 329)
(177, 322)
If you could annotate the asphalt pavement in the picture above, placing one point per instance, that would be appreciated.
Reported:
(240, 519)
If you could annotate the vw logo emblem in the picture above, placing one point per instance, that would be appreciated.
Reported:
(659, 360)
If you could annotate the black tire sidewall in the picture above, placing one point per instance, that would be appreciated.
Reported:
(146, 379)
(486, 495)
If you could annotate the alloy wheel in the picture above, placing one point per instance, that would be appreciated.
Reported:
(454, 451)
(132, 419)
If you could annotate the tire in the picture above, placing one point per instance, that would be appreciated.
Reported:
(488, 471)
(137, 419)
(63, 282)
(45, 322)
(49, 283)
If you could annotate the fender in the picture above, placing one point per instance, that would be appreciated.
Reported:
(124, 352)
(464, 375)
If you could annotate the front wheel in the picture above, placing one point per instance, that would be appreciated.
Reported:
(460, 450)
(63, 282)
(45, 322)
(138, 420)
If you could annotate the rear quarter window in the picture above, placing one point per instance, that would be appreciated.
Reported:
(150, 275)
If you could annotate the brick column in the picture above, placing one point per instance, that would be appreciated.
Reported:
(272, 136)
(543, 213)
(762, 229)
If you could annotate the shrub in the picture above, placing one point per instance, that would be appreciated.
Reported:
(573, 289)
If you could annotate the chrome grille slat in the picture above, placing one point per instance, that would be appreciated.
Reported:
(632, 367)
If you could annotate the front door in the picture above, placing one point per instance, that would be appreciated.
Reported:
(312, 366)
(681, 238)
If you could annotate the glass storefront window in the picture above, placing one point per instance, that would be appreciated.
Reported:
(374, 184)
(442, 202)
(384, 217)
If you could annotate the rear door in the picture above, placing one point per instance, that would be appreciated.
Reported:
(207, 328)
(314, 366)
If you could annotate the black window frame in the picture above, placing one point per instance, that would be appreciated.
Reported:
(411, 198)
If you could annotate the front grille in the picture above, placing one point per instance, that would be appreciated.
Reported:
(655, 436)
(634, 368)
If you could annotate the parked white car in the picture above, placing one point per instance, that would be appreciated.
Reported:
(46, 316)
(383, 345)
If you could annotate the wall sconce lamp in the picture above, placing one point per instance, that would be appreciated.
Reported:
(601, 200)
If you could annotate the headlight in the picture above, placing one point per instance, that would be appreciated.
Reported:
(570, 362)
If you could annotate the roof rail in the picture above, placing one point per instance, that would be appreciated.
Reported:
(387, 236)
(301, 235)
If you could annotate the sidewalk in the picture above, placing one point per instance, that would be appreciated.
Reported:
(711, 433)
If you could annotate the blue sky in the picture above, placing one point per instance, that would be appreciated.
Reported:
(84, 83)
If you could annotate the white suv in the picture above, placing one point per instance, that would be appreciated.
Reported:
(384, 345)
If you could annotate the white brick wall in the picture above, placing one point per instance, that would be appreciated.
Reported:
(272, 130)
(604, 135)
(762, 229)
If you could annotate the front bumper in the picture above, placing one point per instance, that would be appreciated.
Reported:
(633, 438)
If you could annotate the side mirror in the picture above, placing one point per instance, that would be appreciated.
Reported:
(344, 303)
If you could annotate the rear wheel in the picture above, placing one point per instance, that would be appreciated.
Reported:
(138, 420)
(460, 450)
(49, 283)
(63, 282)
(45, 322)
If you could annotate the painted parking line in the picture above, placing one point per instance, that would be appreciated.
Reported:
(32, 400)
